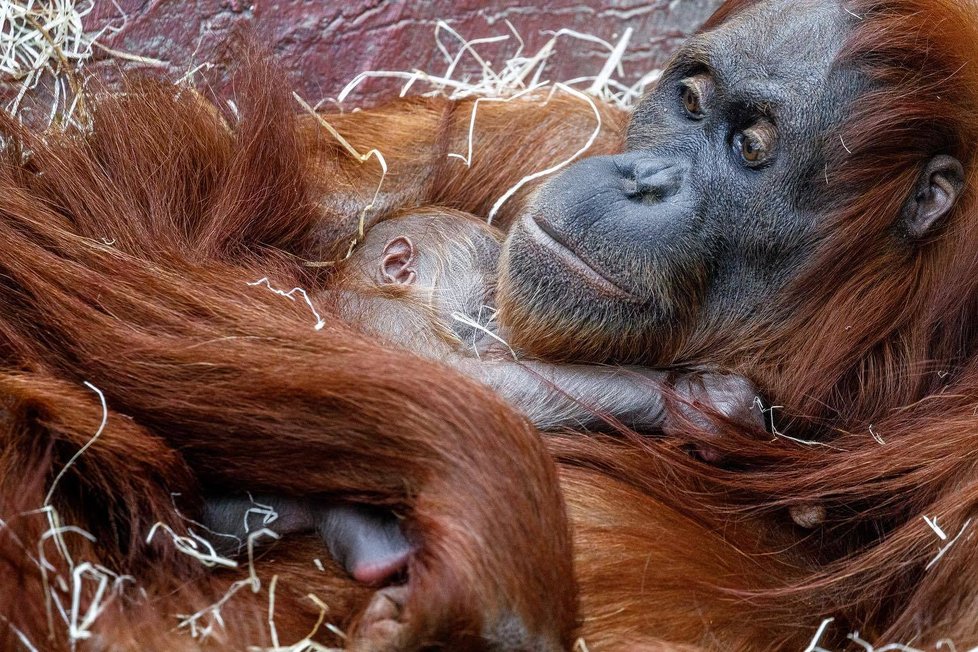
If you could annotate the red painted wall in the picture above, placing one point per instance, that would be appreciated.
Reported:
(325, 44)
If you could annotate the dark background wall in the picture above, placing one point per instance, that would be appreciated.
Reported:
(325, 44)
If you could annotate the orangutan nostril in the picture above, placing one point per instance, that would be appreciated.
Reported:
(655, 179)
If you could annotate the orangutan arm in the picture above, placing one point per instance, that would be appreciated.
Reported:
(595, 397)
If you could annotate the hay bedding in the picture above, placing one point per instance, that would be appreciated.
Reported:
(44, 50)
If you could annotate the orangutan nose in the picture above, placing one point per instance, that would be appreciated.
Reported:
(657, 177)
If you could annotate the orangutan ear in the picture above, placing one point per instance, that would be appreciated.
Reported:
(935, 194)
(397, 262)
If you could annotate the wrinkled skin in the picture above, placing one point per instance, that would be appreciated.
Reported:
(443, 259)
(713, 207)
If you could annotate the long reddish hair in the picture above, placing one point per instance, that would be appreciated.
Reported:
(870, 354)
(139, 260)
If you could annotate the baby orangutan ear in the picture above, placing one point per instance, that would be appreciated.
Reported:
(936, 192)
(397, 262)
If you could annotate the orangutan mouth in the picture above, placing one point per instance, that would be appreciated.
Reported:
(546, 237)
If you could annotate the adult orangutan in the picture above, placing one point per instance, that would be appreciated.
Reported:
(794, 203)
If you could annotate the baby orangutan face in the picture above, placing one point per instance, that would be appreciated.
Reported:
(448, 258)
(425, 280)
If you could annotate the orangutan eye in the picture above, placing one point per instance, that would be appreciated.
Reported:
(755, 144)
(691, 102)
(692, 95)
(750, 149)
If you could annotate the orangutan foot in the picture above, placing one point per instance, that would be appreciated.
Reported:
(380, 628)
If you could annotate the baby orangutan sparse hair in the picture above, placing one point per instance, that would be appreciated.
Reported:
(425, 280)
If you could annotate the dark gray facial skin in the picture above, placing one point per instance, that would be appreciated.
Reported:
(711, 207)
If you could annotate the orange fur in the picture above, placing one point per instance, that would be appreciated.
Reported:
(213, 384)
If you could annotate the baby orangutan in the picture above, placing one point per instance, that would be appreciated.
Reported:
(426, 281)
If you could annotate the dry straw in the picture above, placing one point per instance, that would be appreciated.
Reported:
(520, 77)
(45, 44)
